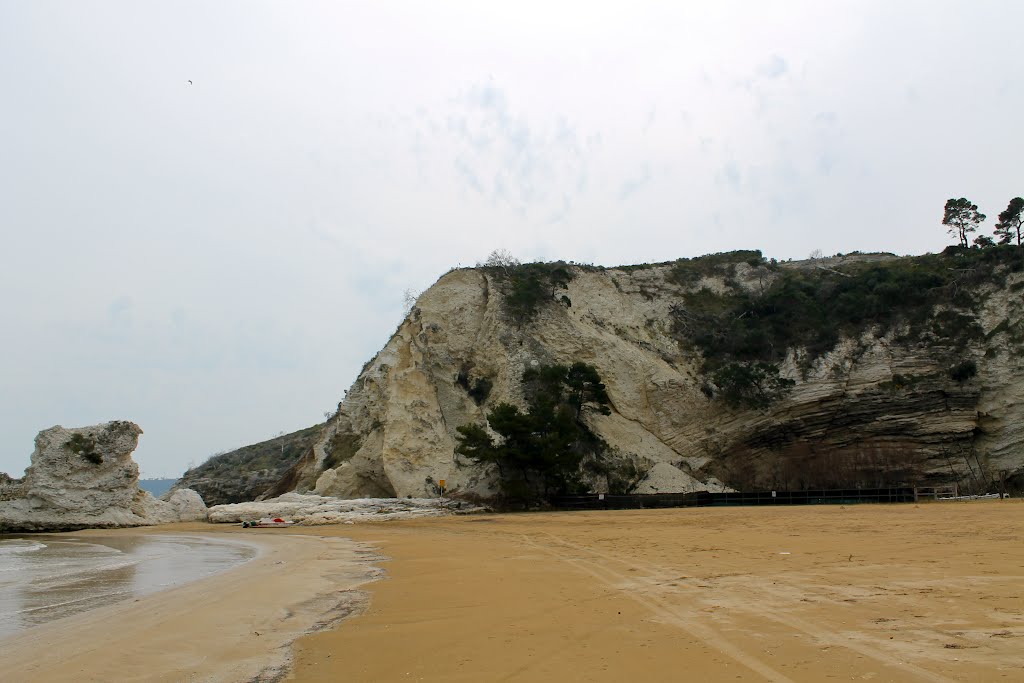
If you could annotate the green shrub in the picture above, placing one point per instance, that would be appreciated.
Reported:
(481, 389)
(341, 447)
(543, 449)
(901, 382)
(478, 389)
(963, 371)
(751, 385)
(688, 271)
(528, 286)
(622, 471)
(814, 308)
(85, 446)
(957, 327)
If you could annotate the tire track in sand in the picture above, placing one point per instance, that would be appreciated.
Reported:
(670, 614)
(688, 620)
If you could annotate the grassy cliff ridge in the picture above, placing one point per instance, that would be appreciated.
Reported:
(246, 473)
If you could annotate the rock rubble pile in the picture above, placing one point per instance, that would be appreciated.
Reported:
(314, 510)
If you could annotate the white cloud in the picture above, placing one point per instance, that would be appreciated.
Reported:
(773, 67)
(216, 261)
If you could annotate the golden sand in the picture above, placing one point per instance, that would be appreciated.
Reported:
(933, 592)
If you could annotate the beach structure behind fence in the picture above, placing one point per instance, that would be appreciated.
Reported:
(606, 501)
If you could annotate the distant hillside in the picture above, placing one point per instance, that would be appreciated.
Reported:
(246, 473)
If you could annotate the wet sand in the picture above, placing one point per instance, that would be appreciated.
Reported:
(45, 577)
(237, 625)
(885, 593)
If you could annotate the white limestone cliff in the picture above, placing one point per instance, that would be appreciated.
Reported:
(394, 433)
(85, 477)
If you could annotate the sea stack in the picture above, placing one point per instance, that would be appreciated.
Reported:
(85, 477)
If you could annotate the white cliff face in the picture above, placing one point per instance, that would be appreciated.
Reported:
(394, 434)
(1000, 409)
(85, 477)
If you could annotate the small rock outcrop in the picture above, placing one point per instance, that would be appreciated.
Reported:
(84, 478)
(313, 510)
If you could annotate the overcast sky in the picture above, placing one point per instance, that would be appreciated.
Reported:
(216, 261)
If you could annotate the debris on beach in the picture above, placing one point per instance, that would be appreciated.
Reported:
(266, 522)
(313, 510)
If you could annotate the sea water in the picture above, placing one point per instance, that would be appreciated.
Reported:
(45, 577)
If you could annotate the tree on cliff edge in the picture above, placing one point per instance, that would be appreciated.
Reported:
(1010, 222)
(962, 217)
(500, 258)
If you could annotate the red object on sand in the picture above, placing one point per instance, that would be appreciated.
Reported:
(267, 522)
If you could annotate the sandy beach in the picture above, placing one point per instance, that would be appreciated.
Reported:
(933, 592)
(237, 625)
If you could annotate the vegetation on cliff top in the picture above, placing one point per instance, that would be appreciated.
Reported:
(1011, 222)
(932, 298)
(527, 286)
(744, 332)
(961, 217)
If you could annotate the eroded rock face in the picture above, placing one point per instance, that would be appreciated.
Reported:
(85, 477)
(665, 478)
(874, 409)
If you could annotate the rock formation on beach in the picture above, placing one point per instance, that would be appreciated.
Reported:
(85, 477)
(890, 370)
(313, 510)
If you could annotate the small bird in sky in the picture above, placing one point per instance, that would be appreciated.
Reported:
(190, 81)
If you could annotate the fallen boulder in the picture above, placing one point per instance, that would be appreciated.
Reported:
(85, 478)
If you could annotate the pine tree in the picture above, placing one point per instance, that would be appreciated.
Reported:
(1010, 222)
(962, 217)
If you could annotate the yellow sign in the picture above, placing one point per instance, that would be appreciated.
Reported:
(442, 483)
